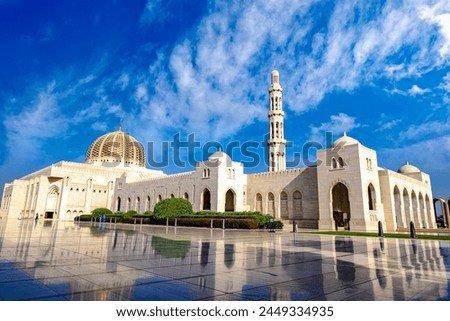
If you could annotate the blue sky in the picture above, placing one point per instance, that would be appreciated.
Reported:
(71, 70)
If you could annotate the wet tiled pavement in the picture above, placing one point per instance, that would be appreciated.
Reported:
(62, 260)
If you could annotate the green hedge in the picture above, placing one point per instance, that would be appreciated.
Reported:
(181, 209)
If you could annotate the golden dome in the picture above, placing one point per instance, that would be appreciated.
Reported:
(116, 148)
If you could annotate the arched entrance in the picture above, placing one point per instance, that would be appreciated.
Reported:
(229, 201)
(407, 206)
(52, 202)
(341, 206)
(206, 200)
(119, 201)
(398, 208)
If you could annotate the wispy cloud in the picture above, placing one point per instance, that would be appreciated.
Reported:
(27, 131)
(426, 130)
(337, 125)
(416, 90)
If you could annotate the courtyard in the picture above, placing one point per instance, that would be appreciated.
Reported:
(75, 261)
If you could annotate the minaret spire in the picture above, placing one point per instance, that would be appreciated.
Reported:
(276, 141)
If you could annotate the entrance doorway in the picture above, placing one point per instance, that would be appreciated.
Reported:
(341, 207)
(229, 201)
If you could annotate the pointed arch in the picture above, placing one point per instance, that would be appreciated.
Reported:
(341, 205)
(271, 204)
(414, 208)
(284, 208)
(230, 200)
(138, 204)
(51, 204)
(148, 204)
(118, 203)
(333, 163)
(398, 217)
(258, 205)
(206, 200)
(407, 206)
(298, 205)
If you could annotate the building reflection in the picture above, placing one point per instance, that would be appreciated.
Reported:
(103, 262)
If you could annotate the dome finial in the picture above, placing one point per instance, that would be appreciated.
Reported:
(345, 133)
(120, 125)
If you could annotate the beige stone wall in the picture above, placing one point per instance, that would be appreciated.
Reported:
(302, 180)
(217, 178)
(64, 190)
(357, 171)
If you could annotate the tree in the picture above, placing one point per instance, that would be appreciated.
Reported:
(100, 211)
(173, 207)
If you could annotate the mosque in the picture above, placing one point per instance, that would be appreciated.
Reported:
(345, 190)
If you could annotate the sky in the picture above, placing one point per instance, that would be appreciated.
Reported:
(71, 71)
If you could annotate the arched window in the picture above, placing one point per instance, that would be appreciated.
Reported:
(159, 198)
(172, 196)
(186, 196)
(147, 207)
(333, 163)
(341, 162)
(138, 204)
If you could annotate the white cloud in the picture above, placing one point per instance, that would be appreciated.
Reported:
(445, 84)
(439, 14)
(418, 154)
(387, 125)
(337, 125)
(215, 82)
(27, 130)
(426, 129)
(416, 90)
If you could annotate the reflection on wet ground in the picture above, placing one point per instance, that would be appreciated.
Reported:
(59, 260)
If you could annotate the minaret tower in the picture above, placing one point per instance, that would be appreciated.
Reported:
(276, 142)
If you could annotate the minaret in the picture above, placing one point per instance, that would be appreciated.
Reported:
(276, 142)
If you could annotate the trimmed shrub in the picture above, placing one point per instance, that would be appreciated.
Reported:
(173, 207)
(85, 217)
(100, 211)
(131, 213)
